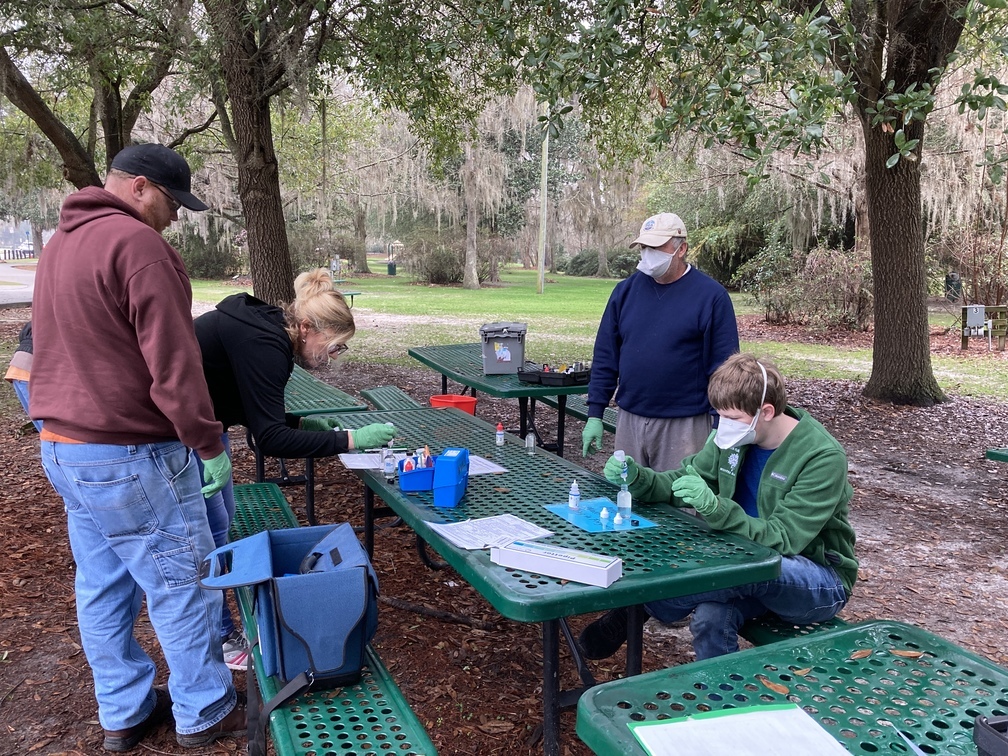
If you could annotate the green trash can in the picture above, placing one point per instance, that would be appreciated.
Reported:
(391, 268)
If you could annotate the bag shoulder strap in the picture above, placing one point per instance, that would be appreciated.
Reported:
(259, 713)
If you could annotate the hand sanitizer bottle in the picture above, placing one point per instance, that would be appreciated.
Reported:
(624, 500)
(500, 434)
(574, 496)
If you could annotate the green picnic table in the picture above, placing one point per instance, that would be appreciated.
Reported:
(998, 455)
(463, 363)
(678, 557)
(305, 395)
(861, 682)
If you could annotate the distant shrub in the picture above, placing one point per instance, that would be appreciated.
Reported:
(825, 287)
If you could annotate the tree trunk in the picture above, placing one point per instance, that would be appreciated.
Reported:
(470, 274)
(258, 176)
(901, 353)
(359, 260)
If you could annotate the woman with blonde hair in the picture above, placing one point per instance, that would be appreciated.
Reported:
(249, 351)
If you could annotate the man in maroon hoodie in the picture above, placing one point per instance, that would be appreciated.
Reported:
(118, 383)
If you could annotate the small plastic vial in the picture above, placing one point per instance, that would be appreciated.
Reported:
(618, 519)
(530, 444)
(604, 514)
(500, 434)
(574, 496)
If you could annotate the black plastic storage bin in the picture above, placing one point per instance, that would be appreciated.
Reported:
(990, 735)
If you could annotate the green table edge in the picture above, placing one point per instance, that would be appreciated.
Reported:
(283, 723)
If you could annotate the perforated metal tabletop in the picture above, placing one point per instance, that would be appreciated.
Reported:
(307, 395)
(464, 363)
(370, 716)
(679, 557)
(859, 682)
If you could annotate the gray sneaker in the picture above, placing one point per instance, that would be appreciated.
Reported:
(235, 649)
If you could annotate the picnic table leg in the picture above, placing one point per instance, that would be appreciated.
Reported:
(561, 413)
(310, 490)
(523, 404)
(551, 687)
(369, 521)
(635, 640)
(444, 383)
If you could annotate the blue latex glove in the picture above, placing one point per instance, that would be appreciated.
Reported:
(217, 472)
(613, 470)
(319, 424)
(692, 489)
(592, 434)
(372, 436)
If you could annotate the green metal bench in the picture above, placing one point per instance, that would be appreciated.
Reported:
(577, 406)
(998, 455)
(305, 395)
(770, 629)
(390, 398)
(370, 716)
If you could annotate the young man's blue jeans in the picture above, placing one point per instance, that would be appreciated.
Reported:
(220, 512)
(138, 525)
(805, 592)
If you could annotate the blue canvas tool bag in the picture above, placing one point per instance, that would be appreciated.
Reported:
(316, 607)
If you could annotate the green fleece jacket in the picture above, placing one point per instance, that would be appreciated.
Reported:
(802, 498)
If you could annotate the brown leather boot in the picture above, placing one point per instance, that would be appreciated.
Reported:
(128, 739)
(235, 723)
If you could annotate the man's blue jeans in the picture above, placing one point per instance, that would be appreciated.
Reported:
(220, 513)
(805, 592)
(138, 525)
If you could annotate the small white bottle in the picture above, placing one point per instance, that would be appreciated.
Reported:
(574, 496)
(389, 463)
(624, 500)
(500, 434)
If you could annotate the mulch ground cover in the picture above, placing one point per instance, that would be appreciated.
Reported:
(929, 511)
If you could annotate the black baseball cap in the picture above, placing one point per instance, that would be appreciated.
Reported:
(163, 166)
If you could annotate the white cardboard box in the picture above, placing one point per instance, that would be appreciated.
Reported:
(558, 562)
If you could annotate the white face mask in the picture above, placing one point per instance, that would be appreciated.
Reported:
(654, 262)
(732, 433)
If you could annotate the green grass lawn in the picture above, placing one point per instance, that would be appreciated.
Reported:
(563, 321)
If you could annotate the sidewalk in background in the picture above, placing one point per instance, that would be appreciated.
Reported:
(17, 282)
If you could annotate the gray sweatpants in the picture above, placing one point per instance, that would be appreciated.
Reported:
(661, 442)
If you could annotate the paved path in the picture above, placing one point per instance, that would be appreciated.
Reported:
(17, 282)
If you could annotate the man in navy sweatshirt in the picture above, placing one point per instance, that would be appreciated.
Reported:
(665, 330)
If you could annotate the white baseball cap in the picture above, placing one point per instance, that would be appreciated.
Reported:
(658, 229)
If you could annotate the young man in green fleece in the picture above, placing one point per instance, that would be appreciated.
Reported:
(771, 473)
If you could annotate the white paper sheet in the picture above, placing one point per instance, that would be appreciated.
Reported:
(372, 461)
(485, 532)
(779, 730)
(365, 460)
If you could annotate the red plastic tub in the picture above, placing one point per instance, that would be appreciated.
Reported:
(464, 403)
